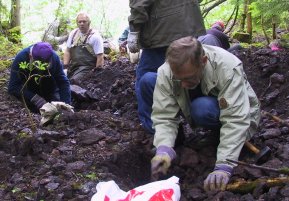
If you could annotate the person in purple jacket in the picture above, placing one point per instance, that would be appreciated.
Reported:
(216, 37)
(53, 84)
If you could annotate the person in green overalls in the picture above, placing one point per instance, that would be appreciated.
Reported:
(84, 51)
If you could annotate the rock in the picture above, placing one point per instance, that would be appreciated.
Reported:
(271, 133)
(44, 134)
(16, 178)
(269, 98)
(284, 130)
(90, 136)
(255, 173)
(52, 186)
(285, 191)
(58, 166)
(45, 181)
(196, 194)
(272, 193)
(242, 37)
(81, 94)
(77, 166)
(78, 92)
(277, 79)
(247, 197)
(23, 143)
(67, 192)
(86, 188)
(285, 152)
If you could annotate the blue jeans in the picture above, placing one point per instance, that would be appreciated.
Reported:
(150, 61)
(205, 110)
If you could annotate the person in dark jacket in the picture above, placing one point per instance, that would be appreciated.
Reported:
(153, 26)
(52, 85)
(122, 40)
(216, 37)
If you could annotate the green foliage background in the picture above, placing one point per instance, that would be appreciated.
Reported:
(107, 16)
(110, 16)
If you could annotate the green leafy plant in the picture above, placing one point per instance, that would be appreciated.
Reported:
(30, 69)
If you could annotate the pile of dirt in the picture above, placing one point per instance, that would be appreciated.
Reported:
(103, 140)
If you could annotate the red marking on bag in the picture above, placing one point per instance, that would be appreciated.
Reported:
(163, 195)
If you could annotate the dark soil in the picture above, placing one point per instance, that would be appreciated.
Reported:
(103, 140)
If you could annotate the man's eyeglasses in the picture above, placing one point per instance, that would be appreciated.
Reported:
(82, 21)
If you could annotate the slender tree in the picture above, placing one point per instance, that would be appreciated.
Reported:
(249, 19)
(15, 13)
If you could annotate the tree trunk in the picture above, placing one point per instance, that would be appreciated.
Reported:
(235, 13)
(60, 11)
(15, 13)
(249, 19)
(216, 3)
(244, 15)
(273, 28)
(264, 31)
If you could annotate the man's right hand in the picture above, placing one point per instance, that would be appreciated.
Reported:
(132, 42)
(38, 101)
(161, 161)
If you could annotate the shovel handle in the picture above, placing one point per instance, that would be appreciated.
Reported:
(252, 147)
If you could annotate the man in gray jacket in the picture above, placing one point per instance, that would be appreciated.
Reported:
(209, 86)
(154, 24)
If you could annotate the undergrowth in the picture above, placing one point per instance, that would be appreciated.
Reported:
(8, 52)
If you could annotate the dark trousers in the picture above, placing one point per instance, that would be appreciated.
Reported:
(150, 61)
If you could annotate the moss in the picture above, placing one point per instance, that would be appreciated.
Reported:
(8, 51)
(22, 135)
(92, 176)
(285, 40)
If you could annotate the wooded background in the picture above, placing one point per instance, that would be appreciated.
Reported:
(26, 20)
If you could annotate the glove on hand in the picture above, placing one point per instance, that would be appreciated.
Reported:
(50, 110)
(219, 178)
(38, 101)
(132, 42)
(162, 161)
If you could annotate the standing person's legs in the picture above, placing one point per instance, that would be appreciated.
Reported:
(147, 85)
(205, 112)
(150, 61)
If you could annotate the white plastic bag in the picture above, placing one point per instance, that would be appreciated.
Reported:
(165, 190)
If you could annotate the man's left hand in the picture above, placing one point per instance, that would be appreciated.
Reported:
(219, 178)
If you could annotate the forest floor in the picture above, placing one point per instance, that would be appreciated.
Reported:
(103, 139)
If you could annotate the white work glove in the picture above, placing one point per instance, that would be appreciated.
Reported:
(132, 42)
(219, 178)
(50, 110)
